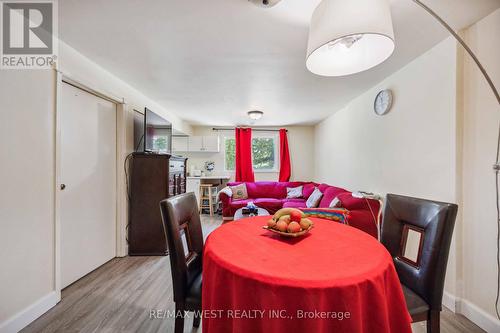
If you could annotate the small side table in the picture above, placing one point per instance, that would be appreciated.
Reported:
(238, 215)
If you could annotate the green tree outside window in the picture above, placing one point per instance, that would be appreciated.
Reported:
(230, 151)
(160, 143)
(263, 153)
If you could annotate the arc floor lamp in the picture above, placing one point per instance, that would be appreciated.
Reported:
(348, 37)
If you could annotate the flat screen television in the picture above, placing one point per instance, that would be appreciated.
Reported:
(156, 134)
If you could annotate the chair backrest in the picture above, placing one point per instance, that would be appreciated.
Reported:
(436, 220)
(181, 221)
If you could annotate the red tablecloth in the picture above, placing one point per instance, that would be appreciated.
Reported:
(335, 279)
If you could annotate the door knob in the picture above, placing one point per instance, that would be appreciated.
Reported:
(62, 186)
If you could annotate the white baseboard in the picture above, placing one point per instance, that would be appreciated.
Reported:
(450, 301)
(23, 318)
(472, 312)
(478, 316)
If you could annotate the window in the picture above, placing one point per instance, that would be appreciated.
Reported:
(230, 153)
(160, 143)
(264, 153)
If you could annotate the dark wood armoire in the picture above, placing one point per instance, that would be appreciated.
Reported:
(153, 177)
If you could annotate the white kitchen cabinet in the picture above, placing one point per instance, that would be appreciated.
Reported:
(211, 143)
(193, 185)
(195, 143)
(180, 144)
(203, 144)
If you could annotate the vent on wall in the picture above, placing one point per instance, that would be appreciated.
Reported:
(265, 3)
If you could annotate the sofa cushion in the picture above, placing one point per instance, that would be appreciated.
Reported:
(268, 203)
(240, 203)
(294, 199)
(267, 190)
(352, 203)
(322, 187)
(294, 204)
(329, 193)
(308, 189)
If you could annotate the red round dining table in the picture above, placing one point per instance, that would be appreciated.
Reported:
(334, 279)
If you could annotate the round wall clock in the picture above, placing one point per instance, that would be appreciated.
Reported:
(383, 102)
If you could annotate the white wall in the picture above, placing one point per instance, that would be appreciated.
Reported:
(411, 150)
(27, 102)
(82, 69)
(27, 189)
(481, 117)
(301, 146)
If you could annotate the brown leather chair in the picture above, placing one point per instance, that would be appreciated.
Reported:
(422, 279)
(184, 235)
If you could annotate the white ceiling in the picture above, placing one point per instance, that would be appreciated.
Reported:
(212, 61)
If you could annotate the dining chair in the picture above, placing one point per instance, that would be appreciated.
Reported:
(182, 226)
(417, 233)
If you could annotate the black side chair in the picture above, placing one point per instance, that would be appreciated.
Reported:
(417, 233)
(184, 235)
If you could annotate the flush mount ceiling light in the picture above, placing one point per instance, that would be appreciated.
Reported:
(348, 37)
(255, 115)
(265, 3)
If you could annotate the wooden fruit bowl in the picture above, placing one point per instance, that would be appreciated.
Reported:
(288, 234)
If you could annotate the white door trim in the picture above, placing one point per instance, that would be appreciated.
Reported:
(121, 204)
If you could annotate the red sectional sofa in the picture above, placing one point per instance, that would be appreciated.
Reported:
(272, 196)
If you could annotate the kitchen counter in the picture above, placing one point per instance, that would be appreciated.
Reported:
(193, 183)
(209, 177)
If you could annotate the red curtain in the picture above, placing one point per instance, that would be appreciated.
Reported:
(285, 166)
(244, 168)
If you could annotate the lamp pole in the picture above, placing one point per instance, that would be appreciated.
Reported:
(496, 166)
(464, 45)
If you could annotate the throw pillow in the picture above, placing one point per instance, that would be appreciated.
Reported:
(314, 198)
(336, 203)
(294, 192)
(239, 192)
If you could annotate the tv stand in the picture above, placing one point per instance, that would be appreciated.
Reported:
(153, 177)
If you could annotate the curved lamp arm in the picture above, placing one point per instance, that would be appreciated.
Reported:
(496, 166)
(464, 45)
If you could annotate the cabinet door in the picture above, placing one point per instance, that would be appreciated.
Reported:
(171, 185)
(179, 143)
(211, 143)
(195, 143)
(193, 185)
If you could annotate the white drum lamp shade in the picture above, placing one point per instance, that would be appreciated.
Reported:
(349, 36)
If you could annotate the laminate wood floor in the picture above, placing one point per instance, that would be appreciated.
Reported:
(118, 297)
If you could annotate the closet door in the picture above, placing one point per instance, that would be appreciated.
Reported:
(88, 182)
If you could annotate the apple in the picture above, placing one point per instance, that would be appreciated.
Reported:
(296, 216)
(293, 227)
(281, 226)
